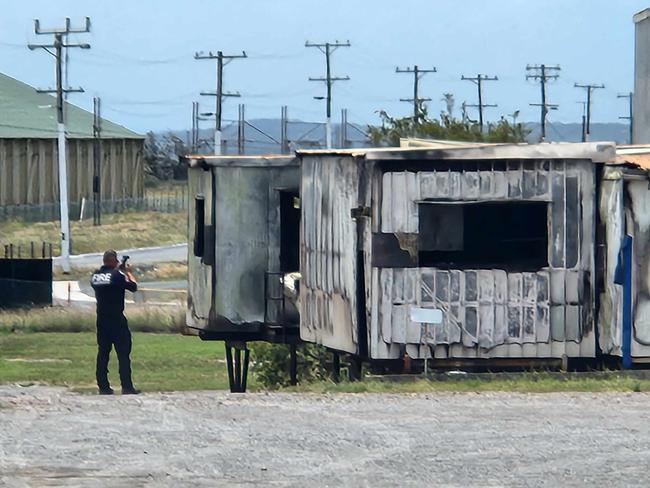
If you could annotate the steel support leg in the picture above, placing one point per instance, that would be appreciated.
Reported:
(336, 367)
(293, 365)
(354, 369)
(237, 369)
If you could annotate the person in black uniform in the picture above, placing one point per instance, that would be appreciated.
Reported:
(109, 283)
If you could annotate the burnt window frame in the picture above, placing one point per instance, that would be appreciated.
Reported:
(199, 226)
(536, 251)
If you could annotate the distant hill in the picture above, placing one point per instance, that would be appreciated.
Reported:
(613, 131)
(263, 135)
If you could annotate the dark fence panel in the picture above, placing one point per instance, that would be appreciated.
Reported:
(25, 282)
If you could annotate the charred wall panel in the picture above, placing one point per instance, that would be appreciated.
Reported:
(199, 292)
(488, 311)
(637, 203)
(328, 258)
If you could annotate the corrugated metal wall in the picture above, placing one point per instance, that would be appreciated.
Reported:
(29, 170)
(247, 243)
(248, 239)
(488, 312)
(199, 274)
(328, 252)
(625, 209)
(638, 226)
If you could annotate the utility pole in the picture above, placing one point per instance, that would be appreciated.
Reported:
(344, 128)
(56, 49)
(543, 73)
(284, 131)
(222, 61)
(583, 131)
(241, 130)
(630, 116)
(478, 80)
(417, 100)
(589, 89)
(97, 152)
(327, 49)
(193, 132)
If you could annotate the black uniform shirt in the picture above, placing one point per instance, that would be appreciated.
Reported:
(109, 285)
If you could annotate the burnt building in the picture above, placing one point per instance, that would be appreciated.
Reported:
(447, 252)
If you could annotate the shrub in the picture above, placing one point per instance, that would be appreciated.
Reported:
(271, 363)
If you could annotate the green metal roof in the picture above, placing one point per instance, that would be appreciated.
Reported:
(25, 113)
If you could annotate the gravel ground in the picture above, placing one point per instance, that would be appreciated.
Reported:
(53, 437)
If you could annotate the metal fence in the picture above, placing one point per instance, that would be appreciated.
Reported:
(168, 202)
(26, 280)
(33, 250)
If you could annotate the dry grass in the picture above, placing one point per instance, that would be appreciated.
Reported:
(142, 318)
(118, 231)
(142, 272)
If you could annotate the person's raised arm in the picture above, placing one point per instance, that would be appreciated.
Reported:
(126, 279)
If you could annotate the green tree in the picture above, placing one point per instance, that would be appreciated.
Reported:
(447, 127)
(162, 156)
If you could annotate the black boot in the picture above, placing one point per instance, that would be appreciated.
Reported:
(106, 391)
(130, 391)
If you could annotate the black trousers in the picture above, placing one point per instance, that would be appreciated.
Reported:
(113, 331)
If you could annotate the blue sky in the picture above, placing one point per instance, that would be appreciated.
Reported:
(141, 62)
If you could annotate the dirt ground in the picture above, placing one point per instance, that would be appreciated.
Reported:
(53, 437)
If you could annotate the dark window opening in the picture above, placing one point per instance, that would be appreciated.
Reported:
(199, 226)
(505, 235)
(289, 231)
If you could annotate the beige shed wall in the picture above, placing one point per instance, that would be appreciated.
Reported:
(29, 170)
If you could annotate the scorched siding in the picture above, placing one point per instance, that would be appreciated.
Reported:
(547, 313)
(328, 313)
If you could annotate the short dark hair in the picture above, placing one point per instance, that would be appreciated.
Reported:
(109, 255)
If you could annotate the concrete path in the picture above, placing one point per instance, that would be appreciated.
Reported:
(75, 293)
(144, 255)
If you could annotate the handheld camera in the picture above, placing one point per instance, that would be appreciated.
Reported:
(125, 258)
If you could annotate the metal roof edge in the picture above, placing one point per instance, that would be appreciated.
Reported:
(641, 16)
(250, 161)
(597, 152)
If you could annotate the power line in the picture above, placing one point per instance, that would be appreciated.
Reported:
(56, 49)
(478, 80)
(219, 93)
(630, 115)
(328, 48)
(418, 73)
(589, 89)
(541, 73)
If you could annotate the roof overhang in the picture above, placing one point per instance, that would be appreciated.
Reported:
(597, 152)
(269, 160)
(641, 16)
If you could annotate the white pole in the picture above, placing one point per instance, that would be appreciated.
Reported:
(328, 132)
(217, 142)
(83, 206)
(63, 200)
